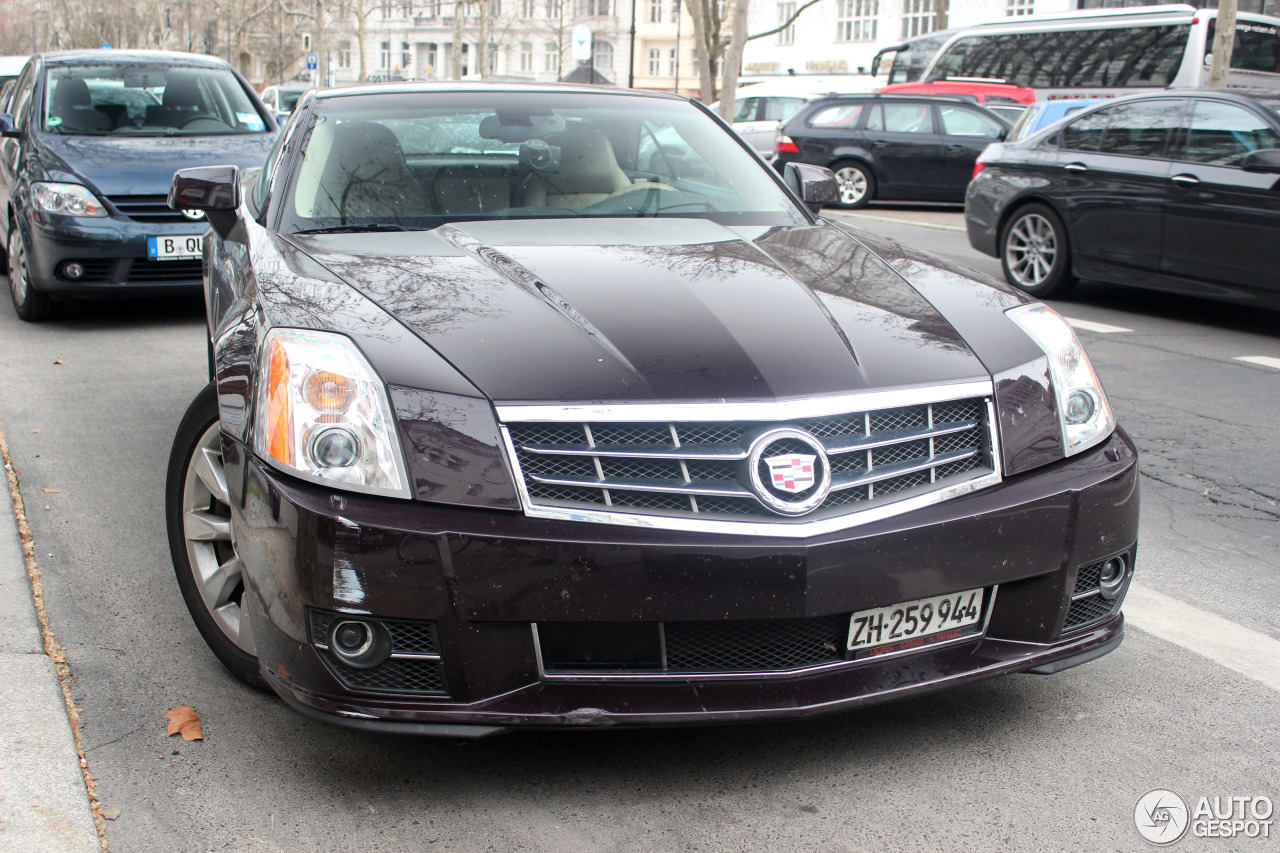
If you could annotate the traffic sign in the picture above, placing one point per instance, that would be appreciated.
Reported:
(313, 61)
(581, 50)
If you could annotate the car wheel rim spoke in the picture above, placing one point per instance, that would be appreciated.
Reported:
(17, 270)
(1030, 250)
(216, 569)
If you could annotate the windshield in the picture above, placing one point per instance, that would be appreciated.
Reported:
(417, 160)
(148, 100)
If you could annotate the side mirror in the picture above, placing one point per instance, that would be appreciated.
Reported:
(1264, 160)
(8, 129)
(815, 185)
(1002, 135)
(213, 189)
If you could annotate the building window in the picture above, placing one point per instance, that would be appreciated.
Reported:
(554, 9)
(785, 11)
(404, 54)
(603, 58)
(551, 57)
(384, 55)
(917, 18)
(1018, 8)
(344, 55)
(593, 8)
(655, 61)
(675, 11)
(384, 9)
(655, 11)
(722, 9)
(526, 56)
(528, 8)
(495, 8)
(674, 61)
(857, 20)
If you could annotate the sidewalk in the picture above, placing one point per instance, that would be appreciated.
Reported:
(43, 804)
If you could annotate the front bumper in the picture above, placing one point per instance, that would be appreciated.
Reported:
(484, 579)
(113, 253)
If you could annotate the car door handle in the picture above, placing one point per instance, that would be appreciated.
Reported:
(881, 143)
(1185, 180)
(957, 147)
(1076, 167)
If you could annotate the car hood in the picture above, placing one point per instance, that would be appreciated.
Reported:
(144, 165)
(630, 310)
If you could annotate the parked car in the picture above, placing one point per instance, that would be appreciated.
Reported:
(1173, 190)
(985, 92)
(891, 146)
(760, 108)
(282, 98)
(1041, 114)
(558, 430)
(91, 142)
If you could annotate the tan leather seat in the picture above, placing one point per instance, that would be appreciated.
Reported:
(366, 177)
(589, 172)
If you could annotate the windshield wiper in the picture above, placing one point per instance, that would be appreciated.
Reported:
(353, 229)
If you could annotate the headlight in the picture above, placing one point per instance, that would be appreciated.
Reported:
(66, 199)
(323, 414)
(1083, 410)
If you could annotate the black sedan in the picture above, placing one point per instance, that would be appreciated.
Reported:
(1176, 191)
(91, 142)
(882, 147)
(542, 406)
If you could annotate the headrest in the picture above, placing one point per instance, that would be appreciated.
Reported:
(70, 93)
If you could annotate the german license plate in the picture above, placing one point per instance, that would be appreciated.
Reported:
(180, 247)
(917, 624)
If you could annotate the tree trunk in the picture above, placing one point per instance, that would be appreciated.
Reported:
(1224, 40)
(706, 32)
(941, 13)
(362, 31)
(455, 60)
(482, 52)
(733, 59)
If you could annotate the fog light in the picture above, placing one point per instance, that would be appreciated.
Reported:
(1111, 578)
(335, 447)
(1080, 407)
(72, 270)
(360, 644)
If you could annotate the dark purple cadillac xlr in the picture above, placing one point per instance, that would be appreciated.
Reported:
(541, 406)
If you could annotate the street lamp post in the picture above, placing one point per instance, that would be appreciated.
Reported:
(679, 20)
(631, 66)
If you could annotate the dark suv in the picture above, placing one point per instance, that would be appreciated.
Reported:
(1174, 190)
(891, 147)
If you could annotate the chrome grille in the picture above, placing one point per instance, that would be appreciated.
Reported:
(698, 469)
(146, 208)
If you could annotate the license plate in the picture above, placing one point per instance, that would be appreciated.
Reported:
(180, 247)
(917, 624)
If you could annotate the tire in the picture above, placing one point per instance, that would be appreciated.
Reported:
(198, 517)
(856, 185)
(30, 304)
(1035, 254)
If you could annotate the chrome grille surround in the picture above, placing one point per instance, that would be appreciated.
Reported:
(913, 448)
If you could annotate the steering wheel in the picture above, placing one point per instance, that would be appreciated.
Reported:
(643, 185)
(199, 117)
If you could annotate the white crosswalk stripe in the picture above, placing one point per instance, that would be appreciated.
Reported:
(1262, 360)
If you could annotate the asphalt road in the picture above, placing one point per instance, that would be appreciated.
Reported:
(89, 405)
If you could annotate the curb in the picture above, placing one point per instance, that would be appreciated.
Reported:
(43, 802)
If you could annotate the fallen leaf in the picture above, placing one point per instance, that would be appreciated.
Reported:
(184, 721)
(51, 491)
(57, 361)
(92, 783)
(35, 431)
(110, 814)
(84, 763)
(59, 658)
(46, 507)
(284, 673)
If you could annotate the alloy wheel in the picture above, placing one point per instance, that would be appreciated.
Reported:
(1031, 249)
(206, 523)
(852, 183)
(18, 279)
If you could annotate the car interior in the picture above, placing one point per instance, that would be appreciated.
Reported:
(359, 170)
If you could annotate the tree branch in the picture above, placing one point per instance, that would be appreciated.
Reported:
(788, 22)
